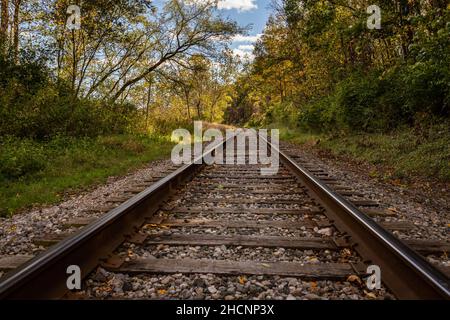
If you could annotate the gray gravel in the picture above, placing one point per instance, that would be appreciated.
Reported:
(208, 287)
(430, 215)
(17, 233)
(239, 253)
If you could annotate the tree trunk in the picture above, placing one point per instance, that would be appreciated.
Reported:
(344, 51)
(199, 113)
(147, 107)
(74, 62)
(16, 24)
(4, 21)
(186, 94)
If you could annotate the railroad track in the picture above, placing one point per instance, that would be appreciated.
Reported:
(229, 221)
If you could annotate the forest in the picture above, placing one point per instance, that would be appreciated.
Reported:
(318, 66)
(78, 105)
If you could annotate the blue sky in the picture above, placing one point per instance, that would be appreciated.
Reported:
(257, 15)
(246, 12)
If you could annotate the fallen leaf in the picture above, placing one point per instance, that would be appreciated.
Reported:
(151, 225)
(313, 284)
(354, 278)
(392, 209)
(242, 280)
(370, 295)
(162, 292)
(265, 265)
(346, 253)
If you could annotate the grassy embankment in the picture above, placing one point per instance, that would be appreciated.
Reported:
(403, 154)
(36, 173)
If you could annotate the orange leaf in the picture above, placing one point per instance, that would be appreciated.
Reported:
(242, 280)
(392, 209)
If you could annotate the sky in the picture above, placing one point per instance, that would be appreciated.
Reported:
(246, 12)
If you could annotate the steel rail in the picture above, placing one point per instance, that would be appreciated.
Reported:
(405, 272)
(45, 276)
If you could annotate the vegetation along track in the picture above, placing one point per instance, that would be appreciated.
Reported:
(210, 224)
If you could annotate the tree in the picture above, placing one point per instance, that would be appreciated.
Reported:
(196, 29)
(4, 22)
(15, 29)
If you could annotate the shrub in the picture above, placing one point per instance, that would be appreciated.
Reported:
(19, 158)
(356, 99)
(318, 116)
(34, 106)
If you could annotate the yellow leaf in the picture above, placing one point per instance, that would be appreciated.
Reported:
(242, 280)
(354, 278)
(151, 225)
(162, 292)
(370, 295)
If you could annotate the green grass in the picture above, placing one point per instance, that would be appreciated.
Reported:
(34, 173)
(404, 154)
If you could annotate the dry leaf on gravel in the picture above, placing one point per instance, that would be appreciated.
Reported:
(370, 295)
(354, 278)
(392, 209)
(242, 280)
(153, 226)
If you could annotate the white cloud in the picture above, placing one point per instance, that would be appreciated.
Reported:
(244, 54)
(245, 50)
(246, 47)
(241, 38)
(240, 5)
